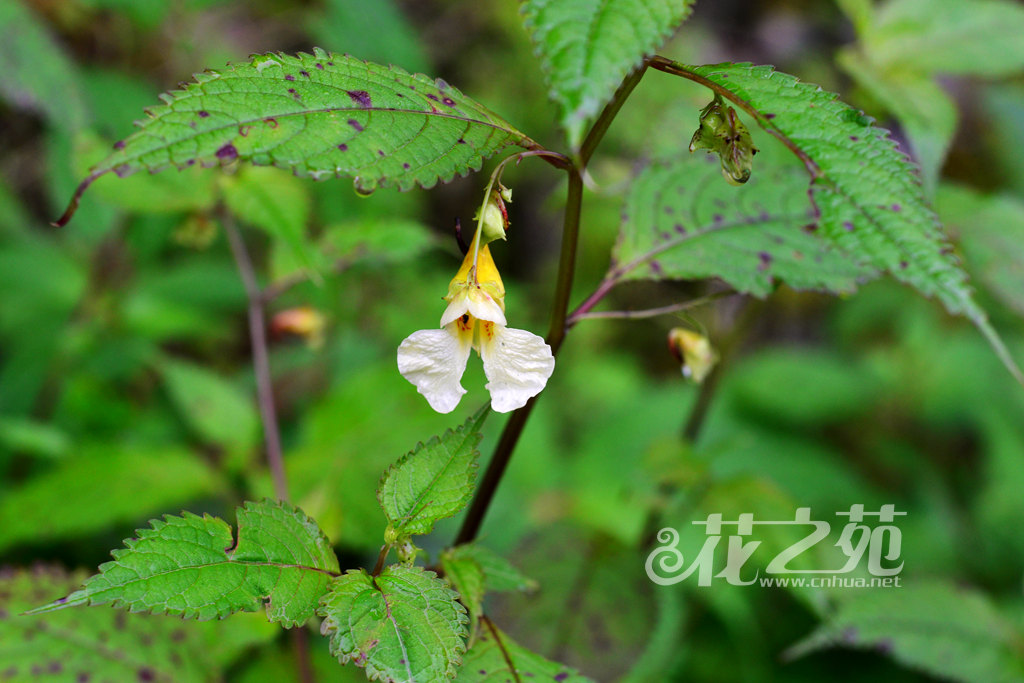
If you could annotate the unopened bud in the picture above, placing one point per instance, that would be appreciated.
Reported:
(722, 132)
(495, 222)
(694, 352)
(303, 321)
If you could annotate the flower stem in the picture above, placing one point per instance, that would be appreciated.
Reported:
(560, 305)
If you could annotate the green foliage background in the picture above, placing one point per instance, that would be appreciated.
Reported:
(126, 389)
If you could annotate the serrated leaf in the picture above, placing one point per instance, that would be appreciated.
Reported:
(499, 573)
(867, 194)
(496, 658)
(320, 115)
(587, 47)
(432, 482)
(108, 646)
(979, 37)
(682, 221)
(191, 566)
(101, 486)
(949, 632)
(404, 625)
(927, 114)
(190, 190)
(273, 200)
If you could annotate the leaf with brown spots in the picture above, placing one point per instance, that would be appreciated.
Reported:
(108, 646)
(322, 116)
(682, 221)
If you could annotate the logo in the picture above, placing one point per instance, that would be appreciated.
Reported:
(879, 544)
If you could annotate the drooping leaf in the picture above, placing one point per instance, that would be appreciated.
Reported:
(320, 115)
(404, 625)
(496, 658)
(950, 632)
(192, 566)
(109, 646)
(37, 73)
(273, 200)
(682, 221)
(97, 487)
(868, 196)
(587, 47)
(432, 482)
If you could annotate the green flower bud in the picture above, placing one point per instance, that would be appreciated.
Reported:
(495, 221)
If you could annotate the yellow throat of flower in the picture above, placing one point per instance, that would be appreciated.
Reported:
(483, 274)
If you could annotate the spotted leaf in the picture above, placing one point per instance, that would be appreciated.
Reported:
(319, 115)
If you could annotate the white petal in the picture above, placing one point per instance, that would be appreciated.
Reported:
(518, 364)
(458, 307)
(482, 306)
(434, 361)
(477, 303)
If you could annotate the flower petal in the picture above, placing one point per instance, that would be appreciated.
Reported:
(483, 306)
(458, 307)
(434, 361)
(517, 363)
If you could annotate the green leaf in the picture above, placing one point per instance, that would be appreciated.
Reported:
(682, 221)
(192, 566)
(320, 115)
(37, 73)
(949, 632)
(990, 230)
(977, 37)
(867, 194)
(273, 200)
(497, 658)
(190, 190)
(587, 47)
(499, 573)
(101, 486)
(925, 111)
(216, 409)
(404, 625)
(432, 482)
(108, 645)
(467, 578)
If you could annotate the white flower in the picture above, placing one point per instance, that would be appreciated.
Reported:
(517, 363)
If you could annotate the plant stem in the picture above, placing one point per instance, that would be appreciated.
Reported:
(260, 359)
(584, 314)
(559, 308)
(268, 414)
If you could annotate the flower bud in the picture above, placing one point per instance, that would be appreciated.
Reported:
(303, 321)
(722, 132)
(694, 352)
(495, 221)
